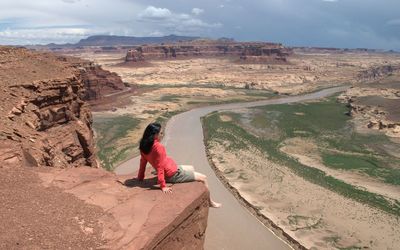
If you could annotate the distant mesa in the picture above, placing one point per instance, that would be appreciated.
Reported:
(109, 41)
(134, 55)
(252, 52)
(141, 49)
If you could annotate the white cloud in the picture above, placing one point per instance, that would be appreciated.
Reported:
(152, 12)
(43, 35)
(330, 1)
(157, 33)
(177, 23)
(71, 1)
(197, 11)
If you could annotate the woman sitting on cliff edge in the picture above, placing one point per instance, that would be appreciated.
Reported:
(151, 150)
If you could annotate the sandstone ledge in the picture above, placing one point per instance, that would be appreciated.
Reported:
(137, 215)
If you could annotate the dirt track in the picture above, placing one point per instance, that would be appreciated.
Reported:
(232, 226)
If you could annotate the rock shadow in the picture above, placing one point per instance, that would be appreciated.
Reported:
(148, 183)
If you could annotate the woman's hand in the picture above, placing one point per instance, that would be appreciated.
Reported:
(167, 190)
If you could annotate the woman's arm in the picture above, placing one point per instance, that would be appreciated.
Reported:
(161, 154)
(142, 167)
(161, 177)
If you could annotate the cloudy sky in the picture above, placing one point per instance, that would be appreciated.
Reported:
(328, 23)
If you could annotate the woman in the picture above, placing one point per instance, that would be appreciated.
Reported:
(152, 151)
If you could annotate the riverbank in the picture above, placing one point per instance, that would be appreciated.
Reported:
(268, 158)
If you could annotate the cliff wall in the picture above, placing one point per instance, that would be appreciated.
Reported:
(43, 109)
(100, 83)
(46, 122)
(242, 51)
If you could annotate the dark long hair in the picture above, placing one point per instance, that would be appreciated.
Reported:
(147, 140)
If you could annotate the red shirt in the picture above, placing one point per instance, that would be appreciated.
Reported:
(158, 158)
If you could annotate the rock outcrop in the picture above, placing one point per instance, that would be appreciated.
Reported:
(43, 100)
(377, 73)
(375, 108)
(52, 193)
(100, 83)
(43, 109)
(255, 52)
(134, 55)
(139, 216)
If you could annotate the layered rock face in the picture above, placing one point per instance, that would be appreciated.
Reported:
(44, 106)
(100, 83)
(46, 121)
(245, 51)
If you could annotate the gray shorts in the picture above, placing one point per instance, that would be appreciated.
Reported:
(185, 173)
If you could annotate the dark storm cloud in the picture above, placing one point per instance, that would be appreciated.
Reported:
(329, 23)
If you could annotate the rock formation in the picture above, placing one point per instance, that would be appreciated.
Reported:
(134, 55)
(44, 112)
(53, 195)
(376, 73)
(99, 83)
(255, 52)
(377, 108)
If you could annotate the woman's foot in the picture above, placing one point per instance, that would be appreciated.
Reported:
(215, 204)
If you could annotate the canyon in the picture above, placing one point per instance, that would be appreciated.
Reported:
(48, 146)
(171, 83)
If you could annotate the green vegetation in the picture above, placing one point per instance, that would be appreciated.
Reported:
(163, 119)
(326, 123)
(109, 131)
(364, 163)
(170, 98)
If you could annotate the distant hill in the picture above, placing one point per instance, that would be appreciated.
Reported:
(105, 40)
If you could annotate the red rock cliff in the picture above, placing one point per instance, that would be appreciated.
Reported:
(46, 122)
(99, 83)
(45, 117)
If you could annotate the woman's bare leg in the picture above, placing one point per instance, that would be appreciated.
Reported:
(202, 178)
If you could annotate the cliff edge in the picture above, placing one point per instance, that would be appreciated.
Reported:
(53, 193)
